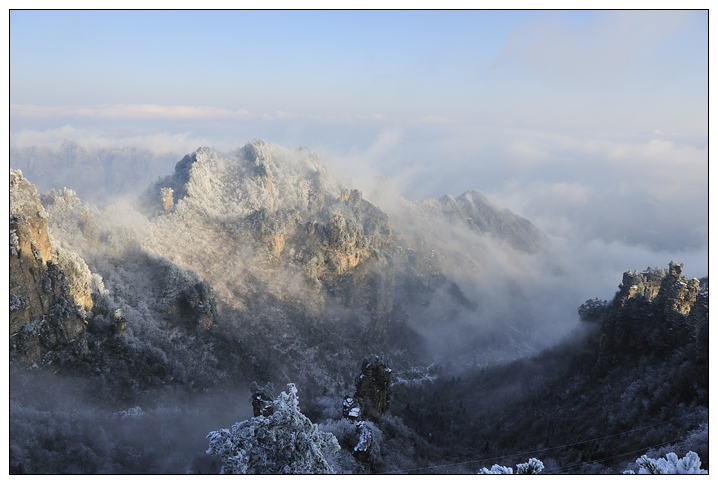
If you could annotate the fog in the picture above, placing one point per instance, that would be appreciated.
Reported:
(80, 434)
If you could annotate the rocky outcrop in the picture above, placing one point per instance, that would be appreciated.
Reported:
(276, 243)
(652, 312)
(187, 300)
(668, 288)
(344, 244)
(364, 449)
(119, 324)
(46, 322)
(350, 196)
(166, 198)
(350, 408)
(645, 285)
(677, 294)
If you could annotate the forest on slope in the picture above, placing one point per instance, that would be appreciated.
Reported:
(135, 326)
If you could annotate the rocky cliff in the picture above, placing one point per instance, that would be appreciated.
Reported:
(49, 288)
(653, 312)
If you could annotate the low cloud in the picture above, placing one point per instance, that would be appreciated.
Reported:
(162, 143)
(643, 192)
(127, 111)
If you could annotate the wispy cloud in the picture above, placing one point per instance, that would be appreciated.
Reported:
(128, 111)
(160, 143)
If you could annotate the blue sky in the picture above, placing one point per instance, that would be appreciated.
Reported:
(593, 124)
(463, 66)
(323, 62)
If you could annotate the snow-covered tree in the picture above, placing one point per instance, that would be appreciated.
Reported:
(286, 442)
(533, 466)
(690, 464)
(496, 469)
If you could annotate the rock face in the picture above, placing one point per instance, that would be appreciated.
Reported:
(668, 288)
(678, 294)
(646, 284)
(370, 401)
(652, 312)
(46, 323)
(166, 199)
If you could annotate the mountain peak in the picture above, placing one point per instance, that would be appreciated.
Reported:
(474, 209)
(258, 176)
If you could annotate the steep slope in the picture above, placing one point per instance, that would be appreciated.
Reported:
(299, 263)
(266, 213)
(49, 288)
(302, 269)
(279, 287)
(152, 325)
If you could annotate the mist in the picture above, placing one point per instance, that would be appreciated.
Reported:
(168, 438)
